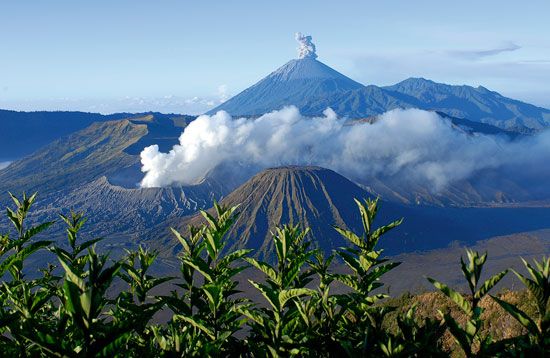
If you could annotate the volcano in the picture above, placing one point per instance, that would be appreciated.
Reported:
(312, 86)
(295, 83)
(312, 197)
(319, 198)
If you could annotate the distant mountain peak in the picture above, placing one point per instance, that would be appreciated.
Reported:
(306, 69)
(421, 83)
(312, 87)
(417, 83)
(295, 83)
(419, 80)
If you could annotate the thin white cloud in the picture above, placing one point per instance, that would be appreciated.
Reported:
(223, 93)
(165, 104)
(479, 54)
(535, 62)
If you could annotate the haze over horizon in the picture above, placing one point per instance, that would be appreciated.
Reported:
(136, 56)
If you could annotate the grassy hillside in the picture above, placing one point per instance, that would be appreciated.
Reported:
(79, 158)
(496, 322)
(23, 133)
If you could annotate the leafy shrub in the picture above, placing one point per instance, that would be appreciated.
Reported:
(78, 308)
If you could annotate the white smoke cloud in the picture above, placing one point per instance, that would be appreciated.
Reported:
(412, 145)
(307, 48)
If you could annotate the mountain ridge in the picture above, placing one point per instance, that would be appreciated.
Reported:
(313, 86)
(31, 131)
(474, 103)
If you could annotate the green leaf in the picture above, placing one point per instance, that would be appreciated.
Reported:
(453, 295)
(40, 298)
(86, 303)
(379, 271)
(350, 236)
(468, 274)
(71, 276)
(519, 315)
(199, 265)
(15, 200)
(214, 293)
(72, 299)
(211, 245)
(114, 345)
(265, 268)
(7, 264)
(252, 315)
(535, 289)
(87, 244)
(269, 294)
(489, 284)
(280, 239)
(106, 276)
(32, 248)
(286, 295)
(234, 256)
(181, 239)
(46, 342)
(197, 324)
(37, 229)
(458, 333)
(366, 215)
(13, 218)
(209, 218)
(160, 280)
(384, 229)
(296, 266)
(348, 280)
(351, 261)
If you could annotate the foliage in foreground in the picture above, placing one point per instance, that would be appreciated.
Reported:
(89, 305)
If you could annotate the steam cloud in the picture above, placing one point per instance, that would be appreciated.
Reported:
(412, 145)
(307, 48)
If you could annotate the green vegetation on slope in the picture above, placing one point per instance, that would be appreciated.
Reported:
(76, 160)
(73, 310)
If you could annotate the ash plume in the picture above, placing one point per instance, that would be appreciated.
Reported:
(307, 48)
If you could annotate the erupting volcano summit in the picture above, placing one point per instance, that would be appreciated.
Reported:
(295, 83)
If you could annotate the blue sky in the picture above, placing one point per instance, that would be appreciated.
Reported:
(184, 56)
